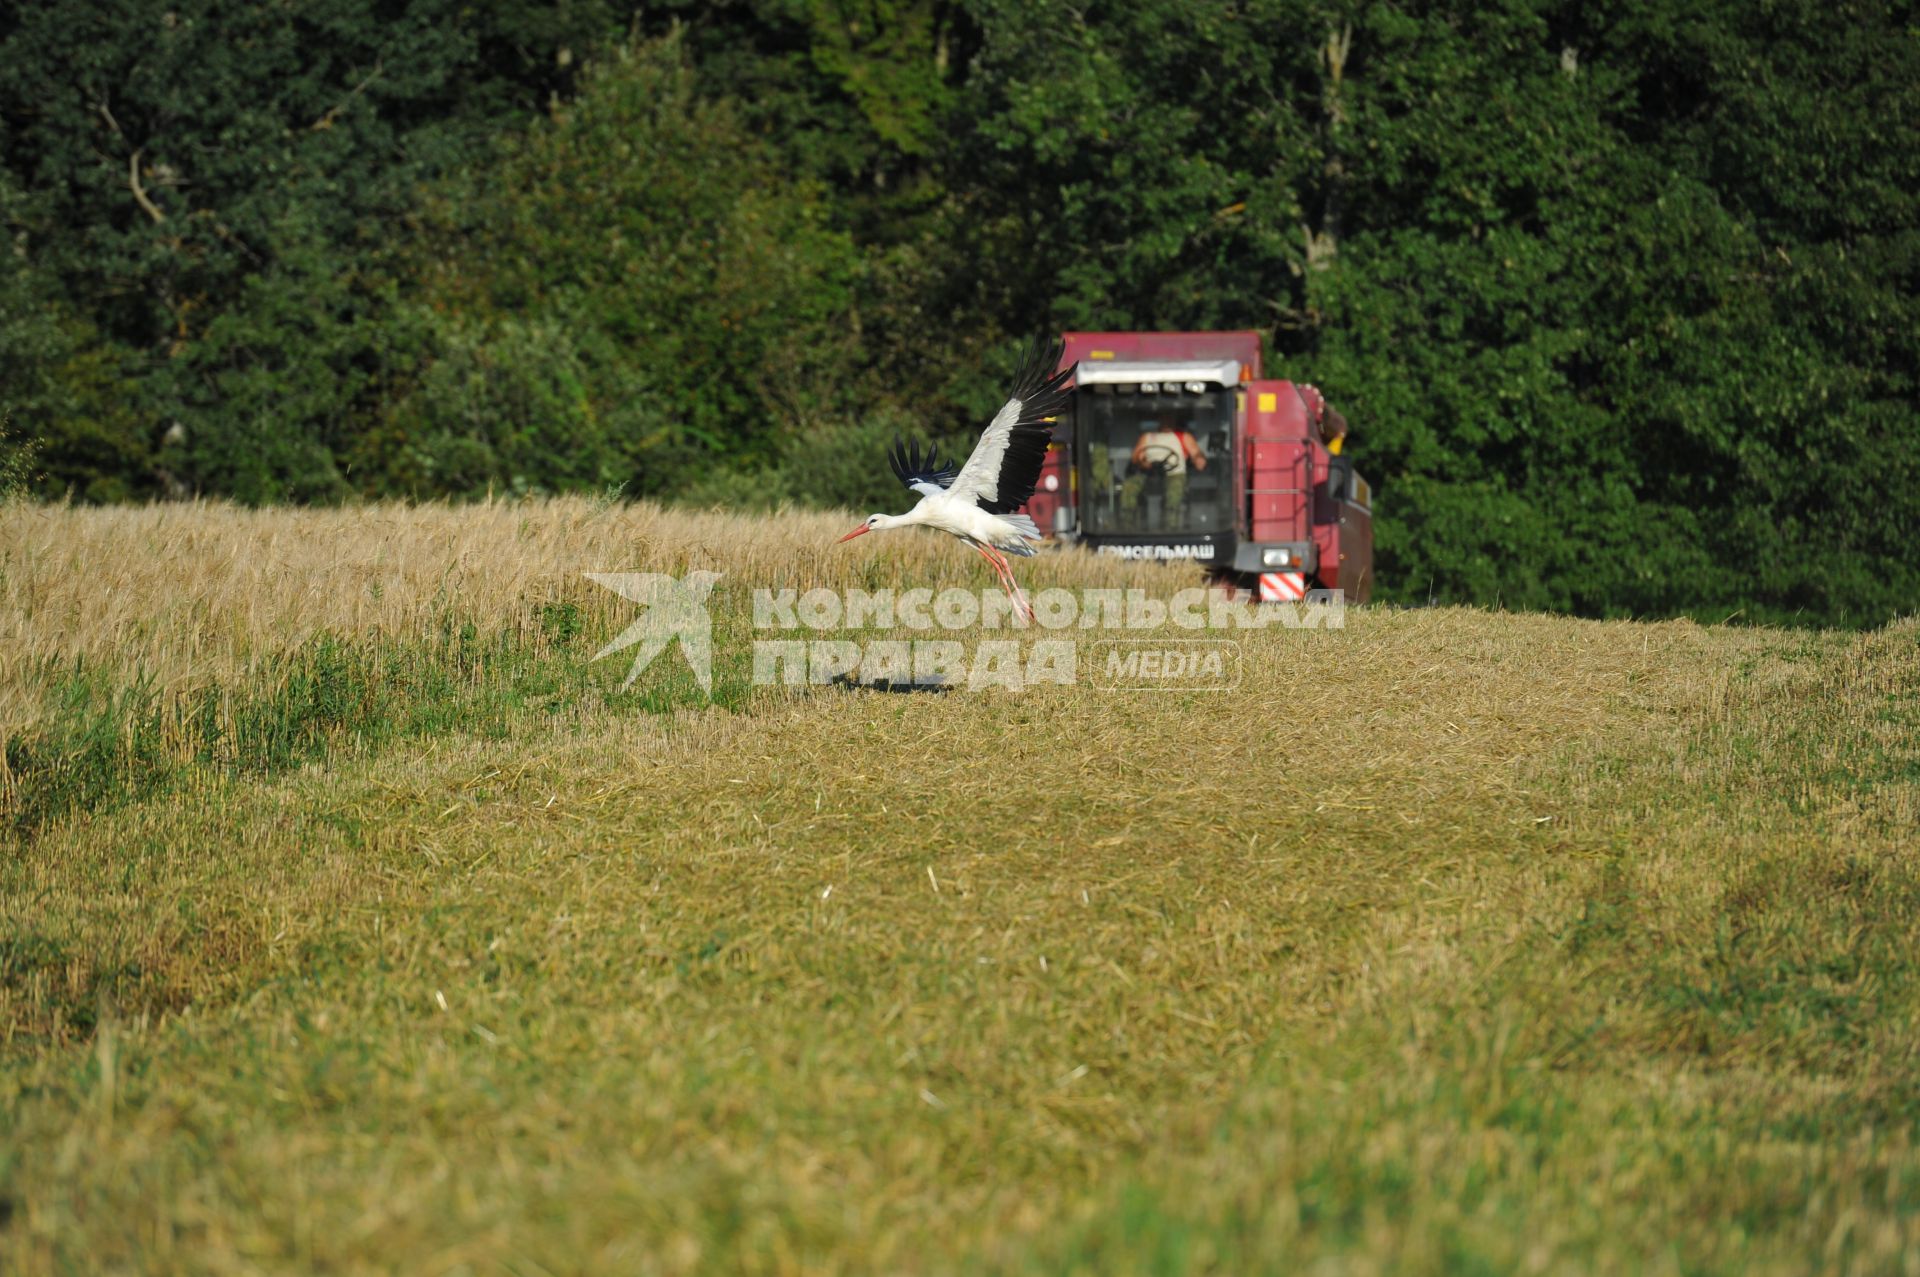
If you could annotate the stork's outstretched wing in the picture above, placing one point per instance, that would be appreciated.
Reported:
(928, 475)
(1005, 465)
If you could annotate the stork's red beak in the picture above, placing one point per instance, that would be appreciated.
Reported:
(851, 535)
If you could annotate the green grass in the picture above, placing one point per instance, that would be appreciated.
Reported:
(107, 739)
(1452, 942)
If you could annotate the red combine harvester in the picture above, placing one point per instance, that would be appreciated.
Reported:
(1177, 448)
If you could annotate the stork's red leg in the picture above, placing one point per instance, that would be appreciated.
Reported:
(1019, 595)
(993, 557)
(1004, 571)
(1012, 586)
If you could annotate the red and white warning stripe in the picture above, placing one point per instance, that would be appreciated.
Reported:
(1283, 587)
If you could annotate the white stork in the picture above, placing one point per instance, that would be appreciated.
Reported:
(977, 502)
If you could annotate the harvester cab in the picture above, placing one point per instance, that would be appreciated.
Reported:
(1177, 448)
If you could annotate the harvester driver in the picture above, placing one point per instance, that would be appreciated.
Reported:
(1168, 452)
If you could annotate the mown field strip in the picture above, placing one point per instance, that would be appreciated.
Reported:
(1451, 940)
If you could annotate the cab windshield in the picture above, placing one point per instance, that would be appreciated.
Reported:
(1155, 458)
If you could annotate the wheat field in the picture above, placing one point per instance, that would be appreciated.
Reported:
(353, 918)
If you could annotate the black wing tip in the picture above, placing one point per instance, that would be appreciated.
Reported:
(1040, 369)
(1041, 384)
(910, 466)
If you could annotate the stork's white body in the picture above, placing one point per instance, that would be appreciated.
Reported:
(963, 518)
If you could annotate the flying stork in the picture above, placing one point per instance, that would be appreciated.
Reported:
(977, 501)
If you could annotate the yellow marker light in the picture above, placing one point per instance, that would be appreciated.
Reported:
(1268, 402)
(1099, 354)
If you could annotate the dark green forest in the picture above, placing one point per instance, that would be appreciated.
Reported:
(1620, 297)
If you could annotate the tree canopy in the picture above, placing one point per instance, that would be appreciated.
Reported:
(1620, 297)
